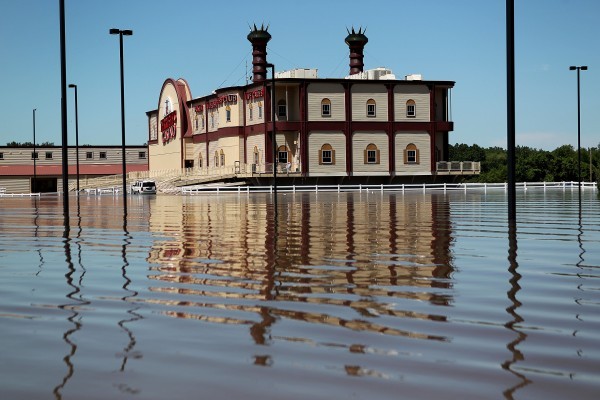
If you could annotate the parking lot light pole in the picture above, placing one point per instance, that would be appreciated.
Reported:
(578, 68)
(34, 155)
(76, 135)
(122, 33)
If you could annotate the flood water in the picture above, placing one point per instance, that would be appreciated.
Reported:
(372, 295)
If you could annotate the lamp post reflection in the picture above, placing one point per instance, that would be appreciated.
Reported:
(512, 311)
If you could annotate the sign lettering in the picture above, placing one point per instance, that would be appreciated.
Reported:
(168, 127)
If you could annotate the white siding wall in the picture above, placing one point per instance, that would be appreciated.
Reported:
(200, 149)
(418, 93)
(315, 141)
(422, 141)
(190, 150)
(198, 116)
(332, 91)
(255, 103)
(153, 126)
(241, 150)
(22, 155)
(212, 120)
(212, 147)
(16, 185)
(229, 145)
(257, 141)
(360, 141)
(361, 93)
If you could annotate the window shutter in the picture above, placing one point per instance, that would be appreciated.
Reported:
(417, 154)
(405, 156)
(377, 158)
(333, 157)
(366, 156)
(320, 157)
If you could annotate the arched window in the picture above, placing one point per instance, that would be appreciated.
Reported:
(222, 158)
(282, 154)
(281, 109)
(326, 108)
(250, 111)
(196, 121)
(327, 154)
(200, 160)
(411, 109)
(202, 120)
(256, 156)
(411, 154)
(228, 113)
(371, 154)
(216, 158)
(260, 110)
(371, 108)
(212, 119)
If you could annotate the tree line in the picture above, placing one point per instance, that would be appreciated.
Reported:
(531, 165)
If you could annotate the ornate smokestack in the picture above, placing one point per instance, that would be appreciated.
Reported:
(259, 39)
(356, 41)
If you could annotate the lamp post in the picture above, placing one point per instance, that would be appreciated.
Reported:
(122, 33)
(34, 155)
(272, 66)
(76, 135)
(580, 68)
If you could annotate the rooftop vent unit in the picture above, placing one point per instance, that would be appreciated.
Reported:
(414, 77)
(374, 74)
(298, 73)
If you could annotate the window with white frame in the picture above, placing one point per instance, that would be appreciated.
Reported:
(327, 154)
(411, 154)
(371, 154)
(371, 108)
(228, 113)
(326, 108)
(411, 109)
(281, 109)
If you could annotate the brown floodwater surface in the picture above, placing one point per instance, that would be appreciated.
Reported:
(370, 295)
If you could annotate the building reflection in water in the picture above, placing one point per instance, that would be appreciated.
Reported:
(354, 260)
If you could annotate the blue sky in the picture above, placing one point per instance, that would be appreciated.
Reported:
(205, 43)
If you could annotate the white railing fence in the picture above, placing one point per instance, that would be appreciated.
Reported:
(424, 187)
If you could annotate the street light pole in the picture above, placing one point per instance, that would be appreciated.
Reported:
(76, 135)
(34, 185)
(272, 66)
(580, 68)
(121, 32)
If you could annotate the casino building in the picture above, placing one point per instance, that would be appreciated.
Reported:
(368, 124)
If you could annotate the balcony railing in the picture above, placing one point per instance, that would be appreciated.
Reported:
(458, 167)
